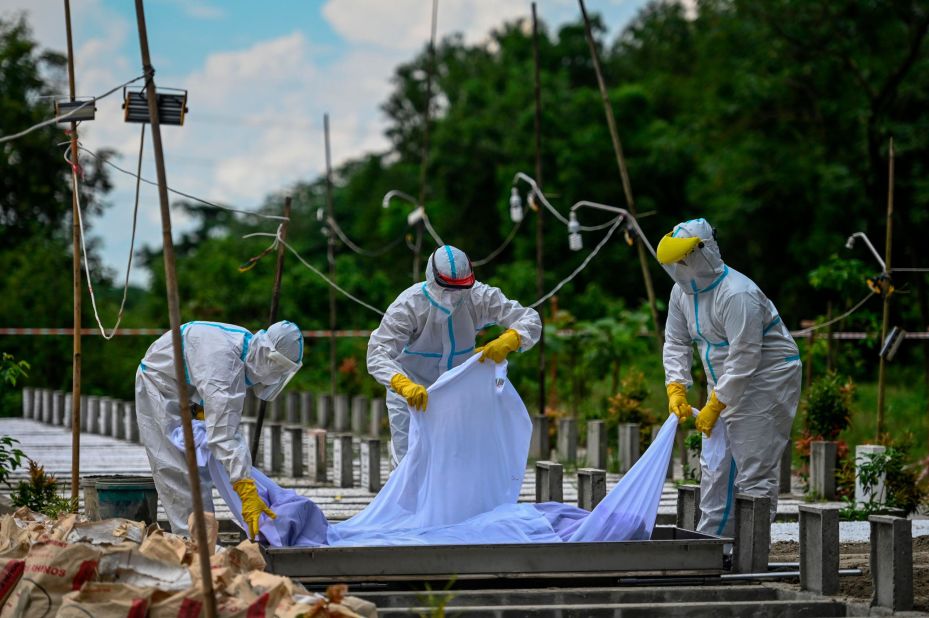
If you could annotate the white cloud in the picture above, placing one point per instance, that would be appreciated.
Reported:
(255, 122)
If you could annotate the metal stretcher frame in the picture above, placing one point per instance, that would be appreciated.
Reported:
(671, 551)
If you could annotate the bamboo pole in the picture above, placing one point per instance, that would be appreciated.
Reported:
(174, 312)
(424, 161)
(330, 257)
(76, 276)
(623, 174)
(272, 317)
(885, 319)
(539, 222)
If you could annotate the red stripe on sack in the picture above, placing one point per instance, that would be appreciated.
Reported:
(139, 609)
(258, 609)
(190, 608)
(10, 576)
(85, 572)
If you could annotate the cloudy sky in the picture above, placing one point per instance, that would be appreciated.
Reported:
(260, 76)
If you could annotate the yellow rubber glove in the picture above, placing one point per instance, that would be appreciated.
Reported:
(677, 402)
(252, 505)
(415, 394)
(498, 349)
(709, 414)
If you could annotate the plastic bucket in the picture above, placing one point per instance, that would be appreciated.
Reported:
(129, 497)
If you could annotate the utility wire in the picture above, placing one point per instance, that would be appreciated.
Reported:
(808, 330)
(45, 123)
(582, 266)
(360, 251)
(496, 252)
(75, 185)
(277, 239)
(181, 193)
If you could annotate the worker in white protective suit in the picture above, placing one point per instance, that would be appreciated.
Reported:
(221, 362)
(752, 366)
(431, 328)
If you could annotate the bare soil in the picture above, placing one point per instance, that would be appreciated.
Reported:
(857, 555)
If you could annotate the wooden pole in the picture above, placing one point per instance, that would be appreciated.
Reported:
(76, 276)
(623, 174)
(174, 312)
(424, 161)
(885, 319)
(330, 256)
(539, 222)
(272, 317)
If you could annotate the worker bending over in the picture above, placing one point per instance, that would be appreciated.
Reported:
(221, 361)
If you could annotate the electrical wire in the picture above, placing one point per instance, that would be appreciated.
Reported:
(496, 252)
(582, 266)
(75, 186)
(333, 284)
(431, 230)
(360, 251)
(45, 123)
(809, 329)
(181, 193)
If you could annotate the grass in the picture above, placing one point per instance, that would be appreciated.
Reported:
(905, 412)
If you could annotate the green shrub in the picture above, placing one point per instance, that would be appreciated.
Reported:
(10, 458)
(40, 493)
(828, 406)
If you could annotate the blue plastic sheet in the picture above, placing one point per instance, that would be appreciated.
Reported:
(460, 481)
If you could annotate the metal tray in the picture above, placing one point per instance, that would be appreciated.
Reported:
(671, 551)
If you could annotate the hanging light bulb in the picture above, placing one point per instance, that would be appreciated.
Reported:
(575, 242)
(516, 206)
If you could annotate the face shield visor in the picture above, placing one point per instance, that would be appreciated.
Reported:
(285, 368)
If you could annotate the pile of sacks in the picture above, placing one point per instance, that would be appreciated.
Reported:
(117, 568)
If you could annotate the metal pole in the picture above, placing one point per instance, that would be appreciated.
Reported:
(539, 224)
(330, 256)
(272, 317)
(885, 320)
(424, 162)
(76, 276)
(624, 175)
(174, 312)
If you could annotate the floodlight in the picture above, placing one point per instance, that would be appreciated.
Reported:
(850, 243)
(80, 110)
(172, 106)
(892, 343)
(516, 206)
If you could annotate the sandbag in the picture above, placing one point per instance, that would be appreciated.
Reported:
(105, 600)
(52, 569)
(11, 571)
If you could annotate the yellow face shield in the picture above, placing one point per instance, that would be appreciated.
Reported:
(671, 250)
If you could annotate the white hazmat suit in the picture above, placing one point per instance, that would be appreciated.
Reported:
(751, 362)
(221, 362)
(429, 329)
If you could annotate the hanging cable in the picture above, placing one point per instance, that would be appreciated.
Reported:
(496, 252)
(75, 169)
(808, 330)
(582, 266)
(351, 245)
(431, 230)
(277, 239)
(45, 123)
(181, 193)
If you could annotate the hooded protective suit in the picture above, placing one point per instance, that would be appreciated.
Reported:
(751, 362)
(430, 329)
(221, 362)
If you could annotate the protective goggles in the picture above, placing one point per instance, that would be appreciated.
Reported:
(289, 369)
(461, 283)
